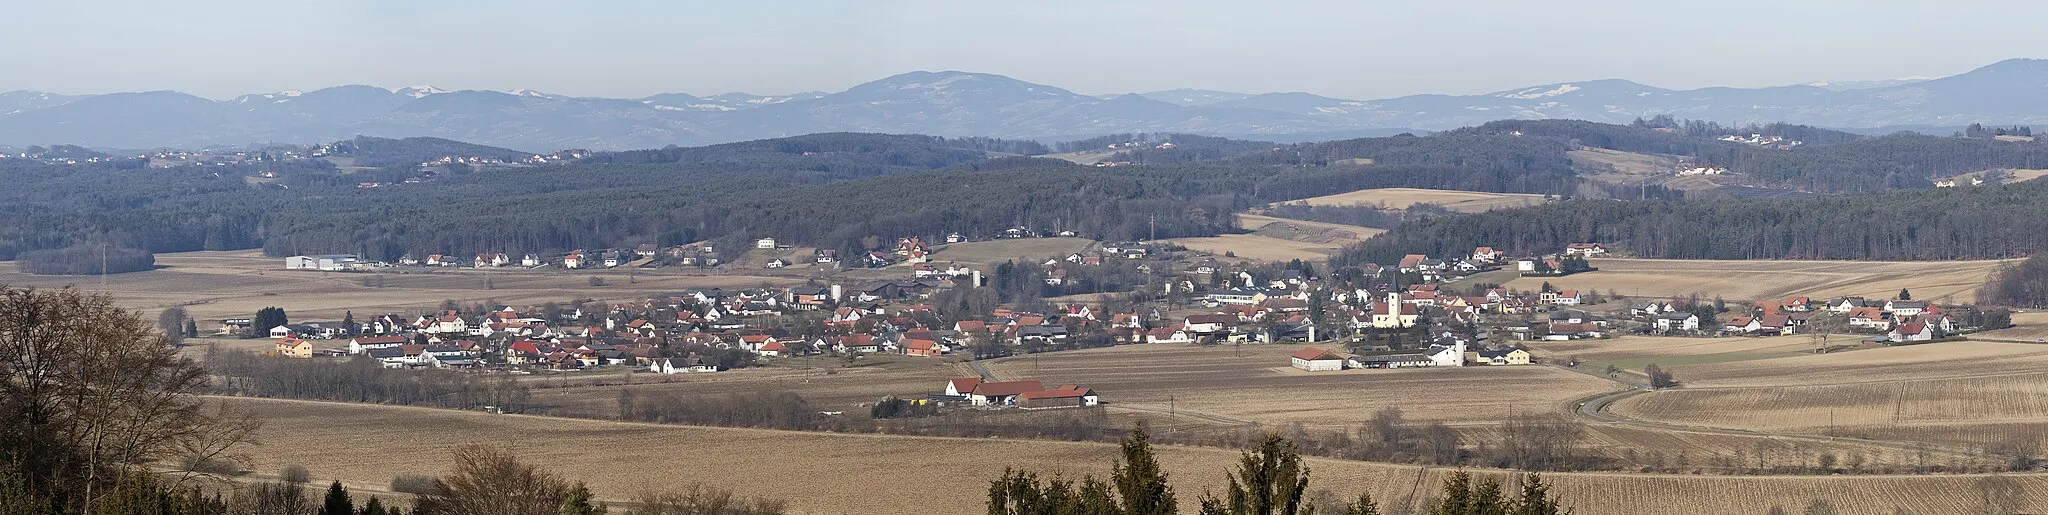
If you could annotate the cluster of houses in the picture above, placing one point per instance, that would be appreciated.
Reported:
(1455, 354)
(1894, 320)
(1028, 394)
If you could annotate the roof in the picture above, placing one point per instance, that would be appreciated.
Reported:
(375, 340)
(1212, 319)
(1315, 354)
(1009, 388)
(1064, 393)
(1500, 353)
(964, 384)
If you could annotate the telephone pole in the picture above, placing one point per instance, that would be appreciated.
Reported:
(103, 266)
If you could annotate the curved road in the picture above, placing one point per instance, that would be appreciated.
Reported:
(1595, 408)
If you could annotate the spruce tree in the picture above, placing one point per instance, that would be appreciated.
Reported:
(1139, 481)
(1268, 481)
(579, 502)
(337, 502)
(373, 507)
(1535, 499)
(1363, 506)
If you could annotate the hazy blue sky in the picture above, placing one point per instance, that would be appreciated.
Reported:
(1354, 49)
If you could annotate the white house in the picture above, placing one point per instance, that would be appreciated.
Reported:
(329, 262)
(672, 366)
(1678, 321)
(764, 243)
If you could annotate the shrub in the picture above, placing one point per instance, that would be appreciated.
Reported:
(415, 484)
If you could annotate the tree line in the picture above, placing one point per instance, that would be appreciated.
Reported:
(85, 260)
(1944, 224)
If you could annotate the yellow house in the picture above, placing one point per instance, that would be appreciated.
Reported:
(1509, 356)
(294, 348)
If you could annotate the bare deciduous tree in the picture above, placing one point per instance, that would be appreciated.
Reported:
(91, 390)
(489, 481)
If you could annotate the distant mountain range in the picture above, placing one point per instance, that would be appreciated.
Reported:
(974, 104)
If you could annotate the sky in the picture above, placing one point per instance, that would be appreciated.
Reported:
(1360, 49)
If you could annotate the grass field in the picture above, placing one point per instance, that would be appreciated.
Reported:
(820, 473)
(827, 383)
(216, 285)
(997, 251)
(1402, 198)
(1633, 352)
(1255, 383)
(1263, 248)
(1632, 164)
(1941, 281)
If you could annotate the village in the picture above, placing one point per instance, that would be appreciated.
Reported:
(1422, 311)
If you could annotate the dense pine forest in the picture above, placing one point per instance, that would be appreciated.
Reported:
(841, 190)
(1937, 224)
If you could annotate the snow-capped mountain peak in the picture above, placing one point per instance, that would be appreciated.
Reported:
(419, 91)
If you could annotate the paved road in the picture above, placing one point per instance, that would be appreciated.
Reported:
(1595, 408)
(986, 376)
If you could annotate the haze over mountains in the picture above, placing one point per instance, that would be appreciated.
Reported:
(973, 104)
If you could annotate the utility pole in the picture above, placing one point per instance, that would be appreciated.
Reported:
(103, 266)
(1154, 222)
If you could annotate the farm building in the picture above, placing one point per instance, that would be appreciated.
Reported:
(1002, 393)
(330, 262)
(1389, 362)
(1066, 396)
(1316, 360)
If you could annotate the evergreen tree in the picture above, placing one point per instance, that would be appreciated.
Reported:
(1535, 498)
(373, 507)
(191, 328)
(1905, 294)
(1363, 506)
(348, 323)
(268, 318)
(1268, 481)
(578, 502)
(337, 502)
(1457, 495)
(1139, 481)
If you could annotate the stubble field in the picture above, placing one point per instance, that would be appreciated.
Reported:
(1256, 383)
(216, 285)
(1941, 281)
(820, 473)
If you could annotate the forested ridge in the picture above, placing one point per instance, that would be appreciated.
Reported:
(838, 190)
(1987, 222)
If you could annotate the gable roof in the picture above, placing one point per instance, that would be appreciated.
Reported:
(964, 384)
(1315, 354)
(1009, 387)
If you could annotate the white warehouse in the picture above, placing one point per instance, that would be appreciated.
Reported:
(330, 262)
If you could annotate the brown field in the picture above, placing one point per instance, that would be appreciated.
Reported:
(866, 474)
(1941, 281)
(1253, 246)
(1402, 198)
(1255, 383)
(997, 251)
(1913, 362)
(1626, 163)
(215, 285)
(1307, 231)
(828, 383)
(1964, 412)
(1632, 352)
